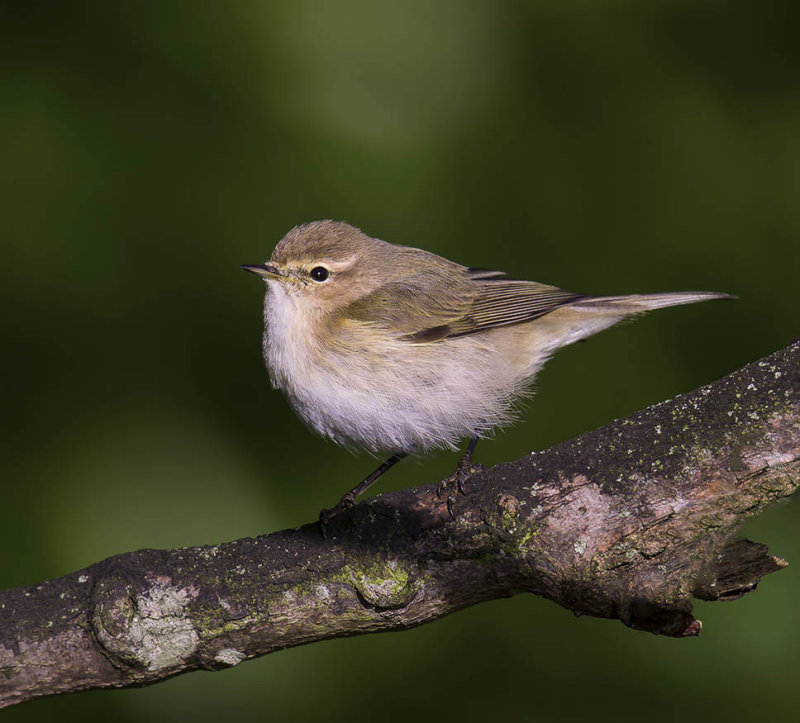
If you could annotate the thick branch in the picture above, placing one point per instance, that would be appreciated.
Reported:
(629, 521)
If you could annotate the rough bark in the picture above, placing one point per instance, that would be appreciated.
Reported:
(629, 521)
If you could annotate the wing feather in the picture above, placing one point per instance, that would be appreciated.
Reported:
(506, 302)
(426, 308)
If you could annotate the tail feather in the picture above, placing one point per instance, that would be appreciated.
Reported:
(587, 316)
(638, 303)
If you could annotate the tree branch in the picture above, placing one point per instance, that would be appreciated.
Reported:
(629, 521)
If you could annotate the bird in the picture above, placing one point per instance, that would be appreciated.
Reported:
(396, 350)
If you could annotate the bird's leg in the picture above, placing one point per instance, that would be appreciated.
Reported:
(349, 499)
(464, 471)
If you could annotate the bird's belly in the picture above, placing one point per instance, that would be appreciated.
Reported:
(395, 396)
(354, 416)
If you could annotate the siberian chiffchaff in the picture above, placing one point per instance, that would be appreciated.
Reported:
(394, 349)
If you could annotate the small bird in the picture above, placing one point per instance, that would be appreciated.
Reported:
(396, 350)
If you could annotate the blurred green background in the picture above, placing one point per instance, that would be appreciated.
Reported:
(149, 148)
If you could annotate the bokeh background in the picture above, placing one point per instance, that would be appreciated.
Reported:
(149, 148)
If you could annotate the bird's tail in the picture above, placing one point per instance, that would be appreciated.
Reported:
(590, 314)
(639, 303)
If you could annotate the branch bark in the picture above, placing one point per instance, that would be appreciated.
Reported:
(629, 521)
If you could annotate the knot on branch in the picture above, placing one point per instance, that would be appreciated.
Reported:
(147, 629)
(387, 586)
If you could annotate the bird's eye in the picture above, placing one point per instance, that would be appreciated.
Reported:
(319, 274)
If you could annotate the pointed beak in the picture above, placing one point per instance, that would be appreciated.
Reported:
(264, 270)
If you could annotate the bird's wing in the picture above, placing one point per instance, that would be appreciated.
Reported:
(502, 302)
(428, 308)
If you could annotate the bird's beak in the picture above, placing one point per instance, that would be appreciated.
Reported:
(264, 270)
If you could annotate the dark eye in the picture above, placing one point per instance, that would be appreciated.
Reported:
(319, 273)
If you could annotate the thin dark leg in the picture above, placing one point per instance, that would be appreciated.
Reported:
(349, 499)
(463, 472)
(466, 462)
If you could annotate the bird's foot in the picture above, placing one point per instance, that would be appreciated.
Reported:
(462, 474)
(465, 470)
(325, 516)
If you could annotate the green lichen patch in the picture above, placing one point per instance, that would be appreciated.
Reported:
(383, 586)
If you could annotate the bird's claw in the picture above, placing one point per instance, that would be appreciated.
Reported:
(325, 516)
(458, 478)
